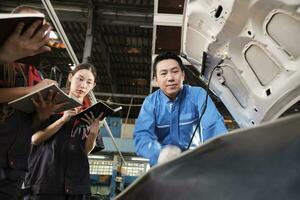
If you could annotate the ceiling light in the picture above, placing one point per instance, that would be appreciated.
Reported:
(133, 50)
(53, 35)
(139, 159)
(97, 156)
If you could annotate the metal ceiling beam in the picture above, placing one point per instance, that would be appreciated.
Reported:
(124, 7)
(89, 34)
(131, 55)
(108, 19)
(125, 46)
(80, 6)
(118, 13)
(107, 94)
(135, 16)
(129, 22)
(132, 33)
(142, 64)
(59, 6)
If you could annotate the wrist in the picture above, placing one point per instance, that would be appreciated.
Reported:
(63, 119)
(5, 57)
(43, 117)
(29, 89)
(93, 134)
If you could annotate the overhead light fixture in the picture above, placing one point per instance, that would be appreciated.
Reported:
(72, 66)
(133, 50)
(97, 156)
(53, 35)
(55, 41)
(140, 82)
(139, 159)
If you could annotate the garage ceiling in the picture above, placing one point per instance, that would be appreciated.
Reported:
(121, 45)
(119, 34)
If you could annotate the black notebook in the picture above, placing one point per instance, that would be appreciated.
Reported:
(9, 22)
(25, 103)
(97, 109)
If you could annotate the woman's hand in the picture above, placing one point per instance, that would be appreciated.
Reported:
(93, 122)
(69, 113)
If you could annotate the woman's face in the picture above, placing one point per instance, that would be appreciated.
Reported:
(82, 82)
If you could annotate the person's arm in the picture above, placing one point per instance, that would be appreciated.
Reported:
(145, 140)
(28, 43)
(10, 94)
(44, 134)
(212, 121)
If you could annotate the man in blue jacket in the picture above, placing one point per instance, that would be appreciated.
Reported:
(170, 115)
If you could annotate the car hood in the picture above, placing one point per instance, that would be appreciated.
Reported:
(258, 42)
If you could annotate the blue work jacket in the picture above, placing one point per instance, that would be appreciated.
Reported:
(162, 121)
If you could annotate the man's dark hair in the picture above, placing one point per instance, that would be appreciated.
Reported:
(166, 56)
(22, 8)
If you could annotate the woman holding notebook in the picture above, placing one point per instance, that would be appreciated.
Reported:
(58, 162)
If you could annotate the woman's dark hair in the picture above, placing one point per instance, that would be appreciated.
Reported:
(81, 66)
(166, 56)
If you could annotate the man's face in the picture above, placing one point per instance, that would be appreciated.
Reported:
(169, 77)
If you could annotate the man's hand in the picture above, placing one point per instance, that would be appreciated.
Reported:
(46, 107)
(169, 152)
(28, 43)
